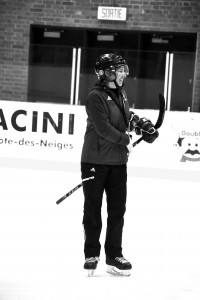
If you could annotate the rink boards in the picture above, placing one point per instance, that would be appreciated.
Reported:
(55, 132)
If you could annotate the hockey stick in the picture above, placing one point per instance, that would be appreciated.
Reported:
(73, 190)
(160, 117)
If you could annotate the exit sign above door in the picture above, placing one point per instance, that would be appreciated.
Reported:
(111, 13)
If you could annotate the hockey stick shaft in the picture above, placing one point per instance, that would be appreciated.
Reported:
(159, 120)
(73, 190)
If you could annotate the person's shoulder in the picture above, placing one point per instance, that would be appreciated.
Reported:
(96, 97)
(98, 91)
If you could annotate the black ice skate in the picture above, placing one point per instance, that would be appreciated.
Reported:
(90, 265)
(118, 266)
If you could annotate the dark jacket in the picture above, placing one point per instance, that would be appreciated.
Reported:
(105, 138)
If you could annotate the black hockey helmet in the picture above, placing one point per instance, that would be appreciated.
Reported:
(107, 64)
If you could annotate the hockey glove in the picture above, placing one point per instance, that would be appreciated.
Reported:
(140, 124)
(150, 137)
(149, 133)
(146, 125)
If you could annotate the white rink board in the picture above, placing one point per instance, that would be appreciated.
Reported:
(35, 143)
(179, 135)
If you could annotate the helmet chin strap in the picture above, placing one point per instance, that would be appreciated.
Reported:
(117, 85)
(115, 82)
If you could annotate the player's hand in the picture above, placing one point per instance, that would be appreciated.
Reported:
(140, 124)
(146, 125)
(150, 137)
(130, 145)
(148, 131)
(129, 148)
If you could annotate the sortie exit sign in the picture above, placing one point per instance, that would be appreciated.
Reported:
(111, 13)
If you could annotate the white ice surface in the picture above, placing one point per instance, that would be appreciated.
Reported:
(41, 243)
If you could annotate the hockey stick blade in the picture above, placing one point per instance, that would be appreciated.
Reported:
(73, 190)
(160, 117)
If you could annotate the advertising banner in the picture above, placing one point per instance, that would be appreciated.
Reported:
(56, 132)
(41, 131)
(178, 144)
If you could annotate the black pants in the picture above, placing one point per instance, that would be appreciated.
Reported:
(112, 180)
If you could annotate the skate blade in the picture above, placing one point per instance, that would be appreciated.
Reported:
(90, 273)
(114, 271)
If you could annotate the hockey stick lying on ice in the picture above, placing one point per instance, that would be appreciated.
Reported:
(74, 189)
(160, 117)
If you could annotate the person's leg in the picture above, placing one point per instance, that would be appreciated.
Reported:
(93, 194)
(116, 191)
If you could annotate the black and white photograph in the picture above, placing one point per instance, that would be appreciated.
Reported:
(99, 150)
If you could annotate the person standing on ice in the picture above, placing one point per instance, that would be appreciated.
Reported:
(105, 151)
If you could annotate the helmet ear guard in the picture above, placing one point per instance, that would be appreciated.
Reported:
(101, 72)
(108, 74)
